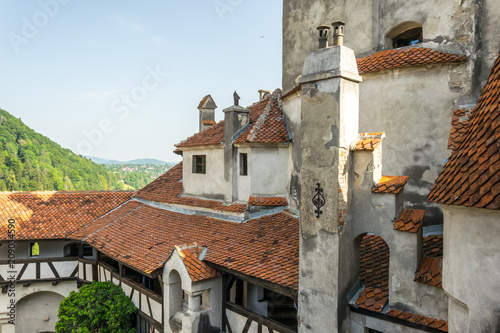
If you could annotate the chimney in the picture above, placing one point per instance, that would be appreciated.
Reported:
(236, 120)
(324, 32)
(338, 33)
(207, 108)
(264, 94)
(329, 125)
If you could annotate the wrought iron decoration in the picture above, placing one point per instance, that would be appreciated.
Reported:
(318, 200)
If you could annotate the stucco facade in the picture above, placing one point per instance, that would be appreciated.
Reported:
(423, 97)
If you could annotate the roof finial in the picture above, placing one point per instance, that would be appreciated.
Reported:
(236, 98)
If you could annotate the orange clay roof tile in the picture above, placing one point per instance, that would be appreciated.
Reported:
(205, 100)
(198, 270)
(406, 57)
(374, 275)
(391, 184)
(430, 272)
(433, 246)
(459, 123)
(439, 324)
(266, 125)
(267, 201)
(168, 189)
(410, 220)
(54, 215)
(143, 236)
(266, 248)
(208, 122)
(471, 177)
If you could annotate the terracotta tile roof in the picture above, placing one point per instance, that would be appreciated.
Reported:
(426, 321)
(205, 100)
(266, 125)
(266, 248)
(374, 273)
(410, 220)
(471, 177)
(433, 246)
(168, 189)
(368, 144)
(296, 89)
(267, 201)
(208, 122)
(430, 272)
(369, 141)
(270, 126)
(405, 57)
(210, 136)
(143, 236)
(198, 270)
(391, 184)
(459, 123)
(54, 215)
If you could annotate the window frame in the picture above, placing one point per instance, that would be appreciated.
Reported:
(32, 245)
(200, 164)
(243, 164)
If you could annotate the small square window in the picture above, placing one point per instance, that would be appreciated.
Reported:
(199, 164)
(88, 251)
(243, 165)
(34, 249)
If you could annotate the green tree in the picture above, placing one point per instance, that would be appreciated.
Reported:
(100, 307)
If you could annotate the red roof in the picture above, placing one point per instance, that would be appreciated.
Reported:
(391, 184)
(168, 189)
(471, 177)
(433, 246)
(410, 220)
(374, 275)
(459, 123)
(198, 270)
(266, 125)
(267, 201)
(143, 236)
(266, 248)
(54, 215)
(405, 57)
(205, 100)
(439, 324)
(430, 272)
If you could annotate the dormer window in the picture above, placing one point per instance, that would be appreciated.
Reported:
(200, 164)
(405, 34)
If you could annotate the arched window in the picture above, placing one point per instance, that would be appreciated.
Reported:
(405, 34)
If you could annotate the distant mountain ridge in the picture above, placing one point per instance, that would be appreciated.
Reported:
(136, 161)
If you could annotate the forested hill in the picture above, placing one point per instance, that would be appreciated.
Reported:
(31, 162)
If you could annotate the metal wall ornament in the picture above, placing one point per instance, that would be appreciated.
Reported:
(318, 200)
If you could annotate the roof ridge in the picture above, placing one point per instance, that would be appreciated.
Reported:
(262, 118)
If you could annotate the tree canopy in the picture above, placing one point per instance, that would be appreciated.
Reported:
(30, 161)
(98, 307)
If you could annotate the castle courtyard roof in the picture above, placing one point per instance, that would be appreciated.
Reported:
(471, 177)
(54, 215)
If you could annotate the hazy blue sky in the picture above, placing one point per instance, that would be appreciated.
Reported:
(123, 79)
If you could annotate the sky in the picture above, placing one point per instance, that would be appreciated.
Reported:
(123, 79)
